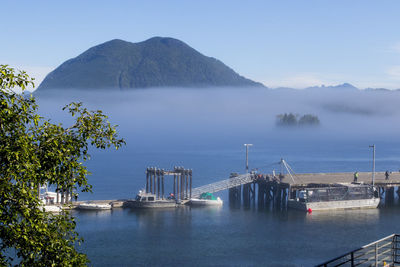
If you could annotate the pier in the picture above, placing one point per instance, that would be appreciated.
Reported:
(261, 189)
(305, 179)
(266, 189)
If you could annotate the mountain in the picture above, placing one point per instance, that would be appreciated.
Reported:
(369, 89)
(341, 87)
(157, 62)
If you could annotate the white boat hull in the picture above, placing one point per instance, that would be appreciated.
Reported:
(332, 205)
(151, 204)
(205, 202)
(93, 206)
(52, 208)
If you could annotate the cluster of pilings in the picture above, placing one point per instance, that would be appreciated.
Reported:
(388, 193)
(270, 192)
(182, 187)
(235, 193)
(182, 183)
(64, 196)
(155, 182)
(249, 194)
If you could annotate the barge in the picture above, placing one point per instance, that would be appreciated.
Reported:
(337, 196)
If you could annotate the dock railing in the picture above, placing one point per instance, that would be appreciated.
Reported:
(384, 252)
(222, 185)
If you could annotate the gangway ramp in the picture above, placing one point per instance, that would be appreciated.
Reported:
(223, 185)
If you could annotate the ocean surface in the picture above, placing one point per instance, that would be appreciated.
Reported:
(205, 131)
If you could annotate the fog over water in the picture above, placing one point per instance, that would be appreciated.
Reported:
(205, 129)
(250, 111)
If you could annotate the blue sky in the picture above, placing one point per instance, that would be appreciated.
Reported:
(280, 43)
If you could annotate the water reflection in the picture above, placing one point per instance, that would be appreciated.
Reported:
(93, 213)
(202, 236)
(354, 216)
(212, 209)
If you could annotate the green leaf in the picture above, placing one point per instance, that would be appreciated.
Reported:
(35, 151)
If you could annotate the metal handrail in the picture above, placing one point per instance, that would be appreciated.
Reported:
(222, 185)
(383, 251)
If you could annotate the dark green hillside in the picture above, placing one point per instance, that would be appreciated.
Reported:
(153, 63)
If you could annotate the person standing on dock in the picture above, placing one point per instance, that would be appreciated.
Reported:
(355, 177)
(387, 175)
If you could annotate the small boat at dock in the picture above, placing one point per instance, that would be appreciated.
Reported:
(94, 206)
(337, 196)
(148, 201)
(52, 208)
(206, 199)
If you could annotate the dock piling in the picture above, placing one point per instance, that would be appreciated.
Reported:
(147, 179)
(190, 180)
(187, 184)
(162, 182)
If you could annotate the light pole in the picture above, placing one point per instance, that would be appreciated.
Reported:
(247, 156)
(373, 165)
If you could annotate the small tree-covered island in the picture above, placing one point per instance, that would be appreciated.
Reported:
(35, 152)
(293, 120)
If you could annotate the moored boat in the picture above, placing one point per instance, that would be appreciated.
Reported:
(206, 199)
(94, 206)
(338, 196)
(148, 200)
(52, 208)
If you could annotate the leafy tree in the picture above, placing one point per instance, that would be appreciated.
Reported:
(34, 152)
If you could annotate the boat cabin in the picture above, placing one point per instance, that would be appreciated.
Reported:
(337, 192)
(302, 196)
(145, 197)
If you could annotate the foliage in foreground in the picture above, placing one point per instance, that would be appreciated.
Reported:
(34, 152)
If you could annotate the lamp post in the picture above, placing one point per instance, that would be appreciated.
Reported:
(373, 164)
(247, 156)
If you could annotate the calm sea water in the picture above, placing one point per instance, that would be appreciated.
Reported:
(226, 236)
(205, 132)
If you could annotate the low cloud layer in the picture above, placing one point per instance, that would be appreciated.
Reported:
(233, 113)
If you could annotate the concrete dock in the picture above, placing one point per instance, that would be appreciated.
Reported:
(304, 179)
